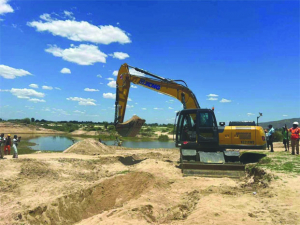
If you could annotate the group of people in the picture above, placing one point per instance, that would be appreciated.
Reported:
(6, 143)
(285, 132)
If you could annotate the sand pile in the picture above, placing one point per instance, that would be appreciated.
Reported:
(89, 147)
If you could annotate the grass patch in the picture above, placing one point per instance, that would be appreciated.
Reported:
(123, 172)
(24, 147)
(281, 162)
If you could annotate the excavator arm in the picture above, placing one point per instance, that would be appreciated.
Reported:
(156, 83)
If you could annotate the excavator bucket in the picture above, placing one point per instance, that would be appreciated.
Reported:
(131, 127)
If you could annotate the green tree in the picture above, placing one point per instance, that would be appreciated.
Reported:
(26, 120)
(105, 124)
(32, 120)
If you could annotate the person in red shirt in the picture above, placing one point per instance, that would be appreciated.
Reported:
(295, 137)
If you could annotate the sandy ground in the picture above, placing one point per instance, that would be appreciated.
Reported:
(11, 128)
(136, 187)
(83, 132)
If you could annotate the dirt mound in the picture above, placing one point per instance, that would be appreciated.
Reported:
(90, 147)
(85, 203)
(34, 169)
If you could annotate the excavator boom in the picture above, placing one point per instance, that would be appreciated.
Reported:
(162, 85)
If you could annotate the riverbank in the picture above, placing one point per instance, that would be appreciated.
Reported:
(143, 186)
(12, 128)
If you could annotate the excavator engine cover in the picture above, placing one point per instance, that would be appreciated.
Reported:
(131, 127)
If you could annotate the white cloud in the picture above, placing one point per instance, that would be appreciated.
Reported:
(129, 106)
(212, 99)
(81, 31)
(46, 17)
(137, 73)
(109, 95)
(11, 73)
(60, 111)
(133, 86)
(5, 8)
(112, 84)
(36, 100)
(119, 55)
(65, 70)
(109, 78)
(144, 108)
(99, 76)
(224, 100)
(170, 108)
(284, 115)
(100, 83)
(115, 73)
(90, 89)
(47, 87)
(69, 14)
(34, 85)
(250, 114)
(212, 95)
(77, 111)
(83, 101)
(82, 54)
(26, 93)
(129, 99)
(57, 88)
(157, 108)
(170, 101)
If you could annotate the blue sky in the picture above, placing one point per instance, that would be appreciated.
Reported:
(241, 57)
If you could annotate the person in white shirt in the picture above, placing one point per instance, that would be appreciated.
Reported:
(15, 144)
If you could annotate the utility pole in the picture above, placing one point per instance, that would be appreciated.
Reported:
(260, 114)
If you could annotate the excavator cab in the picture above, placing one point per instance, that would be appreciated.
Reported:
(197, 128)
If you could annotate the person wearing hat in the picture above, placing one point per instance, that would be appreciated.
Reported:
(285, 137)
(271, 136)
(2, 141)
(7, 145)
(295, 137)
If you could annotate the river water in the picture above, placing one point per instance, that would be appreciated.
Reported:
(60, 143)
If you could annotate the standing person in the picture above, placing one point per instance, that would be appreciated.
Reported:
(271, 136)
(2, 142)
(7, 145)
(15, 144)
(285, 137)
(295, 137)
(267, 139)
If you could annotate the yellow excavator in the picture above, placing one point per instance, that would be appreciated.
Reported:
(206, 149)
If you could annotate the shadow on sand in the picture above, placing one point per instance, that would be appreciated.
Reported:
(250, 157)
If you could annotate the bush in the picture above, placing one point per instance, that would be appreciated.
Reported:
(163, 138)
(26, 121)
(278, 136)
(145, 134)
(111, 128)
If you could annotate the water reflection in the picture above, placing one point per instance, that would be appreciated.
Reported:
(60, 143)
